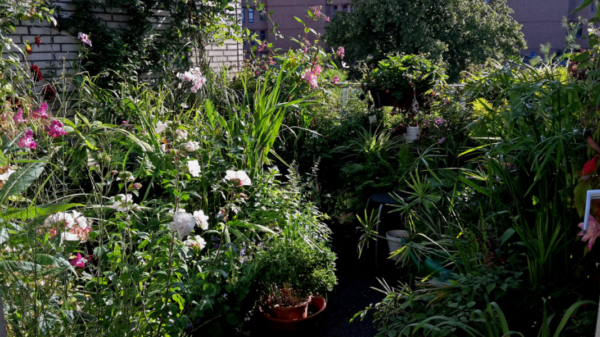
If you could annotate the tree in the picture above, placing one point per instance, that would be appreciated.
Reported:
(459, 31)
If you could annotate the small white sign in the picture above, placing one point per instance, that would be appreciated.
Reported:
(372, 119)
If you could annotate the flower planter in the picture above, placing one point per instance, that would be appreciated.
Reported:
(295, 312)
(316, 306)
(394, 239)
(412, 134)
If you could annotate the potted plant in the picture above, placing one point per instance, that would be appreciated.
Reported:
(292, 276)
(399, 78)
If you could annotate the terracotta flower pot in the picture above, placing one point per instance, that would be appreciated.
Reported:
(316, 306)
(292, 313)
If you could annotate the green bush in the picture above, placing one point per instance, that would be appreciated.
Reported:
(307, 269)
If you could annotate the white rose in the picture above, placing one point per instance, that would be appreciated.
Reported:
(201, 219)
(183, 224)
(194, 168)
(181, 134)
(240, 177)
(196, 241)
(191, 146)
(161, 127)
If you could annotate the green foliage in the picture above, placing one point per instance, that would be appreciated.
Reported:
(307, 269)
(459, 31)
(139, 47)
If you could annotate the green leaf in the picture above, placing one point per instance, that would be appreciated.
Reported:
(20, 180)
(583, 5)
(38, 211)
(507, 234)
(580, 196)
(3, 160)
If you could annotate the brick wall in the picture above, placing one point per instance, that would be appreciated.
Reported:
(59, 50)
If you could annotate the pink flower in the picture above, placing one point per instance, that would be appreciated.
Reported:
(42, 112)
(79, 261)
(328, 20)
(336, 80)
(317, 70)
(593, 231)
(341, 52)
(18, 118)
(311, 78)
(305, 49)
(85, 39)
(27, 140)
(55, 129)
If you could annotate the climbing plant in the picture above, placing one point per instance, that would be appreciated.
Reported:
(138, 46)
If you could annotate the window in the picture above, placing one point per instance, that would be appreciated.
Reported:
(345, 8)
(594, 5)
(250, 15)
(262, 16)
(263, 35)
(243, 15)
(335, 9)
(579, 34)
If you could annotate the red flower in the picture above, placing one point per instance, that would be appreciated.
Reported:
(590, 166)
(37, 74)
(38, 41)
(49, 92)
(15, 102)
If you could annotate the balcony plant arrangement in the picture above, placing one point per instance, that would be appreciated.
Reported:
(294, 275)
(398, 77)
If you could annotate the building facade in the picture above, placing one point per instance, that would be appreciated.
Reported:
(284, 12)
(542, 20)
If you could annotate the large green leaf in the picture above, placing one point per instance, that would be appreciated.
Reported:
(37, 211)
(581, 196)
(20, 180)
(3, 160)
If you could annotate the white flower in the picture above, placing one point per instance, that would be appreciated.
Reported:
(201, 219)
(61, 217)
(183, 223)
(196, 241)
(163, 147)
(123, 202)
(66, 236)
(80, 220)
(181, 134)
(161, 127)
(85, 39)
(172, 211)
(191, 146)
(4, 177)
(92, 162)
(240, 176)
(194, 168)
(344, 65)
(193, 75)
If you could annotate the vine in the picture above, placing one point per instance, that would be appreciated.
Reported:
(139, 47)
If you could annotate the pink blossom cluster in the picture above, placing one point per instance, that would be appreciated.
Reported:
(72, 226)
(341, 52)
(194, 75)
(52, 126)
(312, 75)
(317, 14)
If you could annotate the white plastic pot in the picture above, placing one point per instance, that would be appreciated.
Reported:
(412, 134)
(394, 239)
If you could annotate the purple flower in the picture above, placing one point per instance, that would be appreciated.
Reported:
(18, 118)
(225, 295)
(27, 140)
(439, 121)
(55, 129)
(124, 123)
(42, 112)
(243, 251)
(442, 140)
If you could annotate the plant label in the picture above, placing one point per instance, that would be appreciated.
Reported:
(372, 119)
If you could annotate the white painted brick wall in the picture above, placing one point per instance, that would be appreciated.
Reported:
(59, 49)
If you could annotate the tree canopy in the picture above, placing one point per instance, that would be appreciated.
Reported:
(459, 31)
